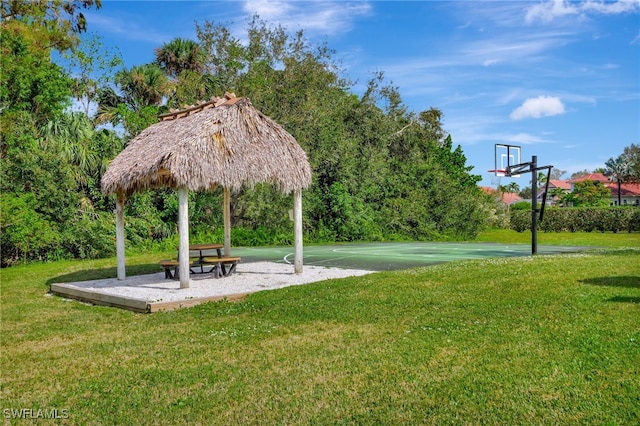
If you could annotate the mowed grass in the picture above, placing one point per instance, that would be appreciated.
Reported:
(532, 340)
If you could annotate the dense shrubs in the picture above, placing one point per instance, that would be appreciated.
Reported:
(580, 219)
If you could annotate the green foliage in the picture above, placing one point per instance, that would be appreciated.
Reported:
(26, 233)
(632, 152)
(587, 193)
(52, 24)
(180, 55)
(90, 236)
(619, 170)
(29, 82)
(91, 66)
(581, 219)
(521, 205)
(379, 171)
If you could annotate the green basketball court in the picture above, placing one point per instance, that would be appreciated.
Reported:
(394, 256)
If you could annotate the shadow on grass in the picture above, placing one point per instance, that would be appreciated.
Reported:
(630, 281)
(624, 299)
(102, 273)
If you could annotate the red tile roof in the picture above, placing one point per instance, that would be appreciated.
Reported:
(505, 197)
(562, 184)
(598, 177)
(626, 189)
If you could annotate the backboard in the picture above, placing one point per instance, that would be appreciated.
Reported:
(505, 156)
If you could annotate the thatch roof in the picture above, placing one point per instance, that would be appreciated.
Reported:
(224, 142)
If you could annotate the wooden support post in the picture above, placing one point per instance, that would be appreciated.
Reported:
(297, 229)
(122, 275)
(183, 231)
(226, 208)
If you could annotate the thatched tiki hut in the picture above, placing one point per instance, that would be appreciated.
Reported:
(224, 142)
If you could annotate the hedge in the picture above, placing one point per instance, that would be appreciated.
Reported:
(580, 219)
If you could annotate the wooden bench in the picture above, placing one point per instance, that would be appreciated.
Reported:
(168, 265)
(223, 266)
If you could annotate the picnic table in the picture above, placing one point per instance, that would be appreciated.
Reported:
(204, 254)
(201, 256)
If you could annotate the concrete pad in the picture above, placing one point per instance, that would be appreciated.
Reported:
(153, 292)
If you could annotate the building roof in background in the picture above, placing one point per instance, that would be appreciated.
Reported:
(505, 197)
(598, 177)
(626, 189)
(558, 183)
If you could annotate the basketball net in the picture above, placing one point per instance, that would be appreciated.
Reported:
(495, 181)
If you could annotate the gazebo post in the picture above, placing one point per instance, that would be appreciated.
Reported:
(226, 208)
(183, 231)
(297, 229)
(122, 275)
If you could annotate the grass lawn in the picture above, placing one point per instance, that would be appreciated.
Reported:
(531, 340)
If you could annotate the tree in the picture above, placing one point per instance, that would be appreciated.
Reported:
(380, 171)
(191, 87)
(43, 173)
(526, 193)
(558, 194)
(513, 188)
(47, 24)
(556, 174)
(70, 137)
(619, 169)
(138, 98)
(224, 54)
(91, 66)
(143, 85)
(588, 193)
(633, 153)
(579, 174)
(180, 55)
(541, 178)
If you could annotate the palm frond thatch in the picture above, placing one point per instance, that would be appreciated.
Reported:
(225, 142)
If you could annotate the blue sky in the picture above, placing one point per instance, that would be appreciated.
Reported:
(561, 79)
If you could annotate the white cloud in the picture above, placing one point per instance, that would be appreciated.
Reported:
(612, 8)
(267, 9)
(314, 16)
(542, 106)
(550, 10)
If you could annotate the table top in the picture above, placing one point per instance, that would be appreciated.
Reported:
(205, 246)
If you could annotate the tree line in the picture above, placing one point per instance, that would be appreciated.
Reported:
(380, 171)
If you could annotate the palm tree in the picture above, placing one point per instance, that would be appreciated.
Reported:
(513, 188)
(108, 101)
(179, 55)
(139, 94)
(143, 85)
(70, 136)
(619, 169)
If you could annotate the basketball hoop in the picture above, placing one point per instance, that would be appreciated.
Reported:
(505, 156)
